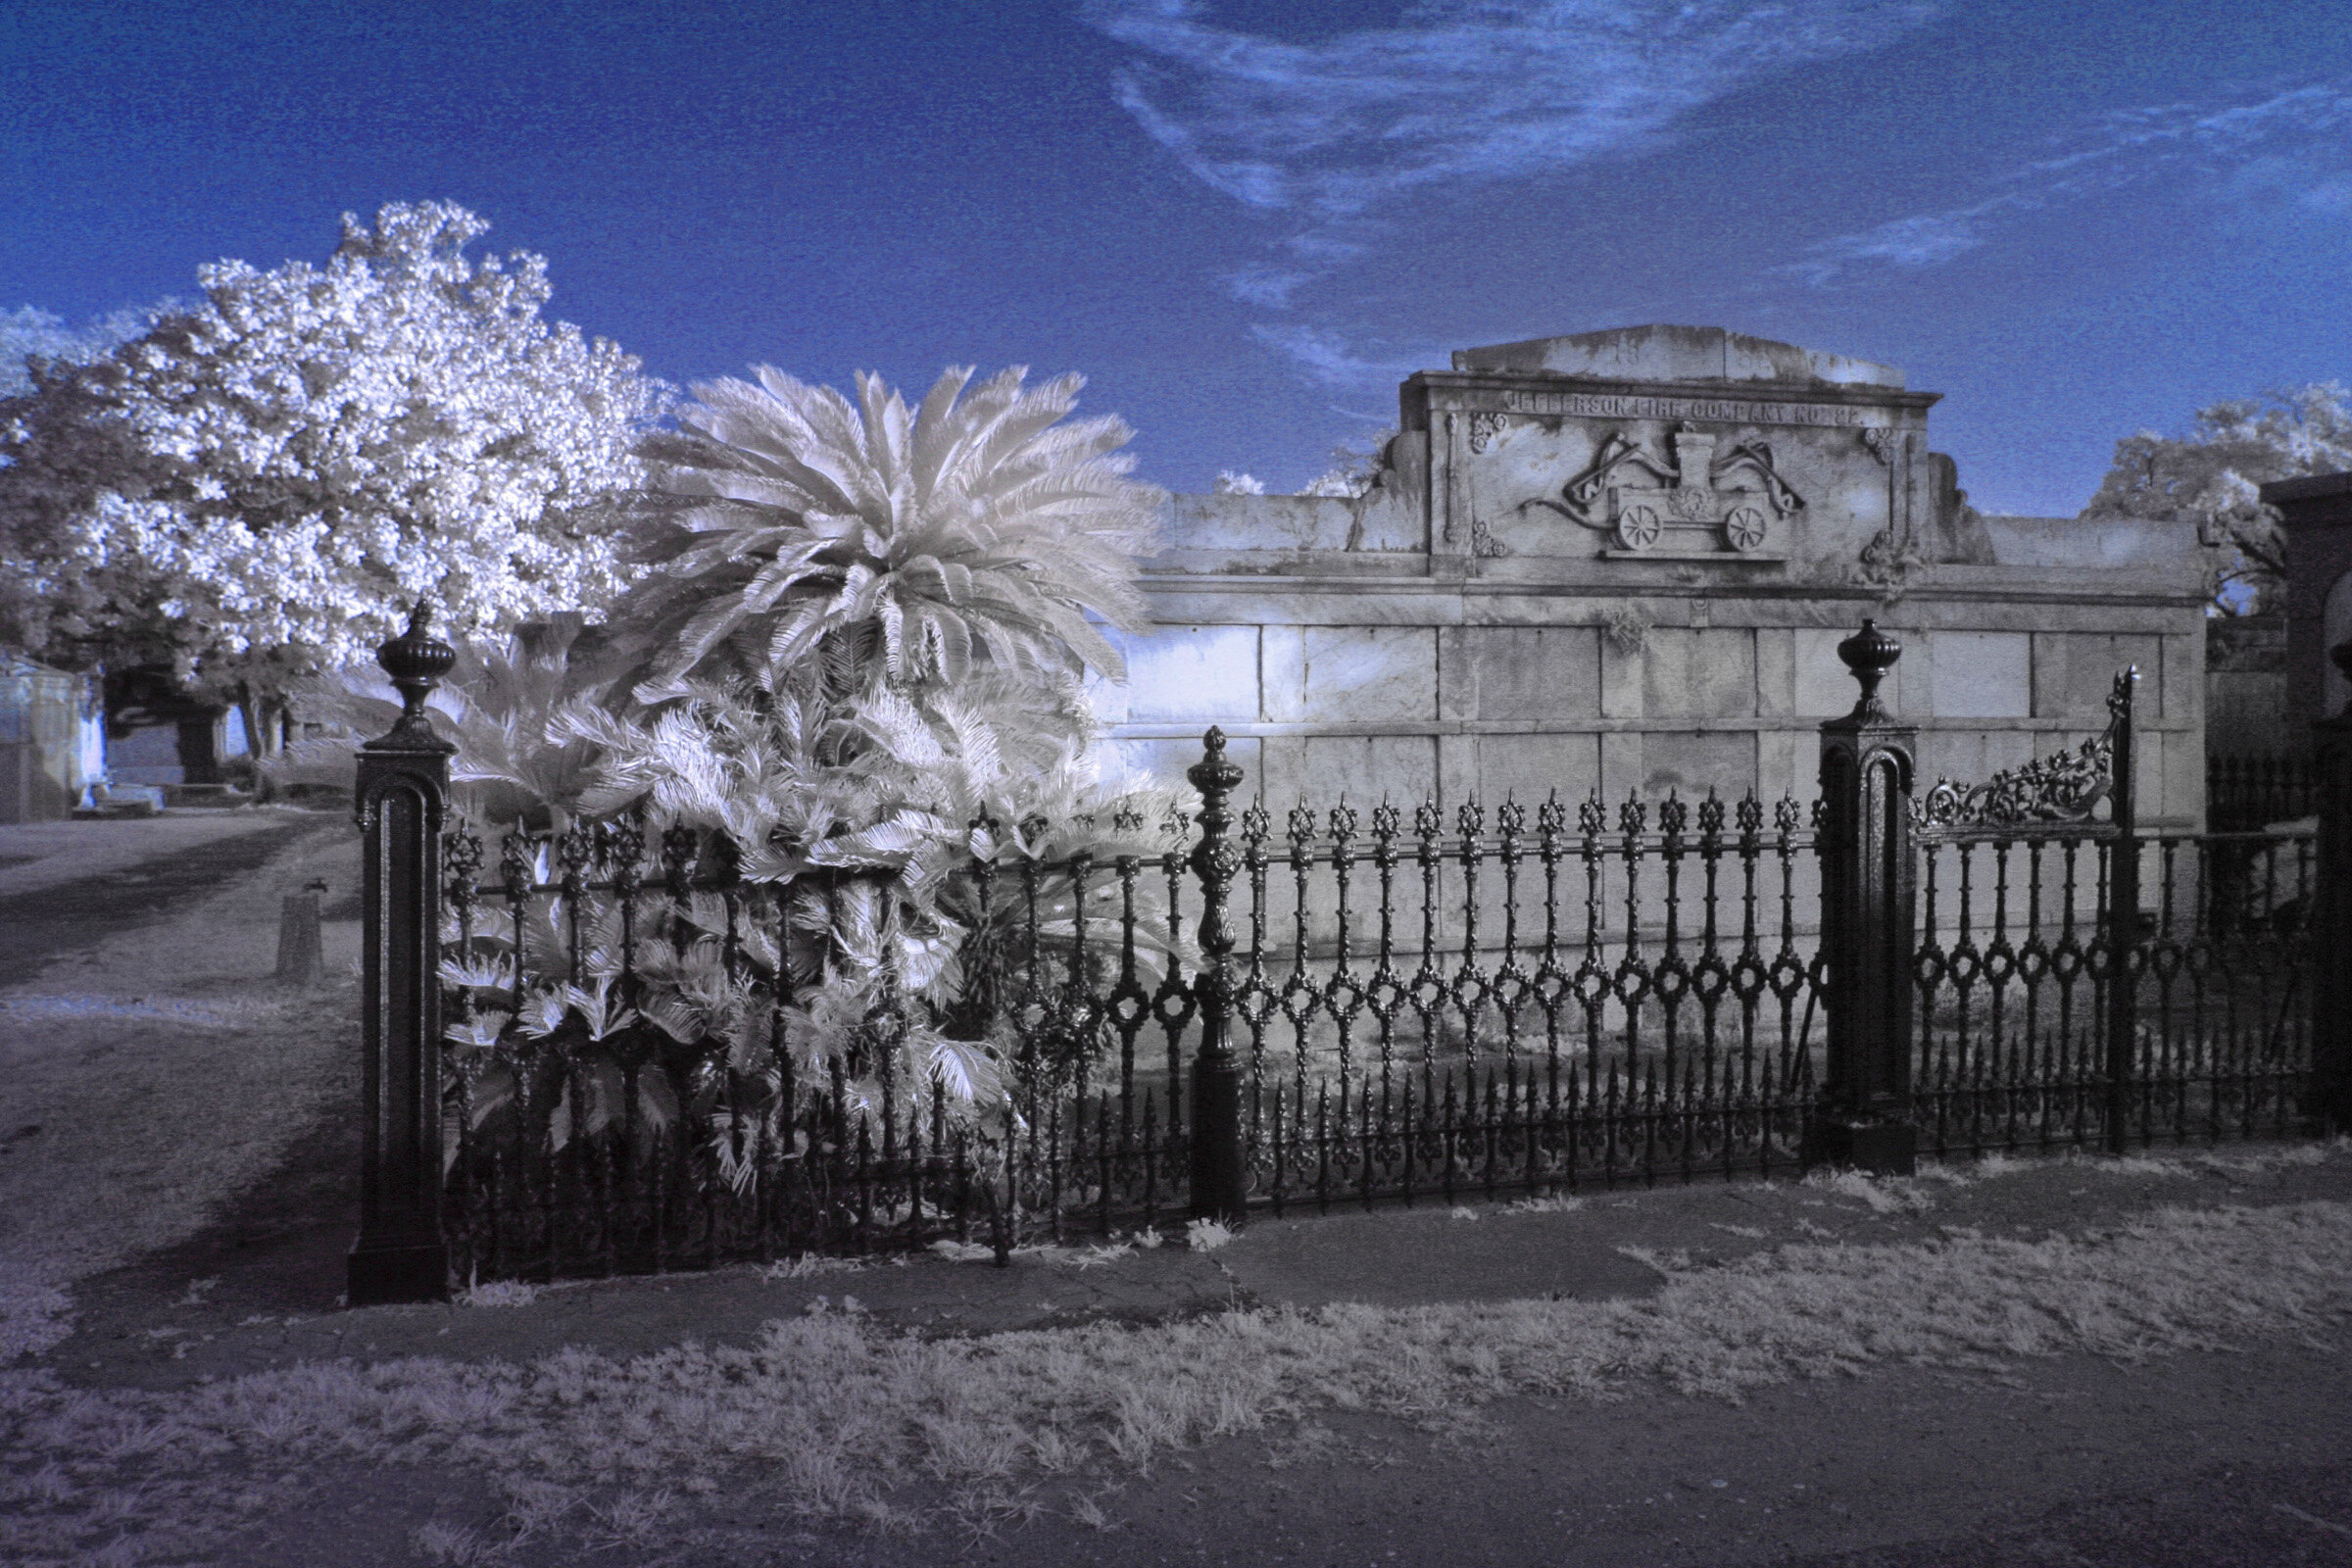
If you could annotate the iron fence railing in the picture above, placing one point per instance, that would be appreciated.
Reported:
(1237, 1009)
(2022, 969)
(1543, 1000)
(2244, 792)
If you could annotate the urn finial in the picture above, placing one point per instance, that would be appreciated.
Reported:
(416, 660)
(1870, 654)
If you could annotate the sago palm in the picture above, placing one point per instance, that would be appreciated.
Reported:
(797, 532)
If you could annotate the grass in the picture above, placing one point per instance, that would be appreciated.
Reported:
(838, 1418)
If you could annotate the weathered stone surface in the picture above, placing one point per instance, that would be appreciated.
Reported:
(1693, 763)
(1336, 673)
(1674, 354)
(2092, 660)
(2184, 773)
(1776, 672)
(1209, 673)
(1959, 528)
(1693, 674)
(1981, 674)
(1477, 623)
(1365, 769)
(1529, 767)
(1535, 672)
(2092, 544)
(1957, 754)
(1789, 762)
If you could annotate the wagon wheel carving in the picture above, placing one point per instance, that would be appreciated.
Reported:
(1744, 527)
(1638, 527)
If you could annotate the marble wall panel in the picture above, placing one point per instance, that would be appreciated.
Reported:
(1335, 674)
(2148, 772)
(2184, 677)
(1776, 672)
(1621, 766)
(1180, 673)
(1981, 674)
(1367, 770)
(1693, 763)
(1528, 769)
(1620, 679)
(1788, 763)
(2007, 749)
(2183, 779)
(2052, 665)
(1699, 672)
(1954, 754)
(2091, 661)
(1825, 687)
(1535, 671)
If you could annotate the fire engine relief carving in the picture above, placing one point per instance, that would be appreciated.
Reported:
(1735, 498)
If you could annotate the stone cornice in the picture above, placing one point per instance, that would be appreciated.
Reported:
(1513, 392)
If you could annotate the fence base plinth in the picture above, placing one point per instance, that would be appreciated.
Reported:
(1217, 1174)
(1873, 1147)
(384, 1275)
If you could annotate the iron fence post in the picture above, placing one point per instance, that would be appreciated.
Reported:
(2331, 919)
(2123, 915)
(1216, 1141)
(400, 797)
(1868, 911)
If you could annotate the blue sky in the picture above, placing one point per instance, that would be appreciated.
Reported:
(1245, 222)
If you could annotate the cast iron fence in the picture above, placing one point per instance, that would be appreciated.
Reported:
(1510, 1000)
(1381, 1005)
(2081, 983)
(2244, 792)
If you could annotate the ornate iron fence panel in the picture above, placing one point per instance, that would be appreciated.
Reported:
(2244, 792)
(1425, 1007)
(2081, 983)
(1435, 1005)
(2020, 980)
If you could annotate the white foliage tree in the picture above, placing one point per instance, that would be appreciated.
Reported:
(28, 333)
(2212, 476)
(262, 485)
(858, 652)
(1356, 469)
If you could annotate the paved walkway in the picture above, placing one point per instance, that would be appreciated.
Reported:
(2196, 1458)
(276, 1264)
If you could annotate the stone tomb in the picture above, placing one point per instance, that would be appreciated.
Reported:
(1623, 560)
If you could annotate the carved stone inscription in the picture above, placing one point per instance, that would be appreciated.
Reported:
(1720, 410)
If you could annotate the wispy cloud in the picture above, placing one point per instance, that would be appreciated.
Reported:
(1333, 135)
(1334, 360)
(1264, 285)
(2294, 140)
(1462, 90)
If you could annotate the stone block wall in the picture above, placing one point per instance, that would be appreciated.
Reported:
(1623, 560)
(1425, 690)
